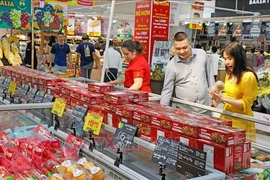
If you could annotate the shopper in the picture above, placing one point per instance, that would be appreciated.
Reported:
(252, 57)
(113, 65)
(86, 52)
(98, 56)
(59, 53)
(52, 41)
(261, 58)
(137, 74)
(188, 73)
(241, 85)
(214, 59)
(28, 54)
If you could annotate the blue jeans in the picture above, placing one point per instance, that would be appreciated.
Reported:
(59, 69)
(86, 70)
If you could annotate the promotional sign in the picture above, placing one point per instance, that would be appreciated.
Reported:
(80, 26)
(93, 121)
(12, 87)
(222, 29)
(124, 134)
(71, 24)
(237, 29)
(59, 107)
(94, 27)
(166, 152)
(15, 14)
(161, 53)
(196, 12)
(174, 14)
(142, 25)
(124, 34)
(211, 29)
(50, 17)
(78, 113)
(74, 2)
(267, 30)
(255, 28)
(191, 162)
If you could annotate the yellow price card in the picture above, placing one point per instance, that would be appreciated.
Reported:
(59, 107)
(93, 121)
(12, 87)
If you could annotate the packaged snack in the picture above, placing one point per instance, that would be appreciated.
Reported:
(57, 177)
(97, 172)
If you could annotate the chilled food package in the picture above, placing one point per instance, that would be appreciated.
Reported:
(71, 170)
(96, 172)
(218, 87)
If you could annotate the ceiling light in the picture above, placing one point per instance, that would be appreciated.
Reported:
(114, 21)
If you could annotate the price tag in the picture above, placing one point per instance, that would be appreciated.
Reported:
(78, 113)
(59, 107)
(93, 121)
(12, 87)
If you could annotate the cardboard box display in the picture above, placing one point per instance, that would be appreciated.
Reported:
(223, 135)
(74, 102)
(153, 105)
(137, 96)
(125, 112)
(143, 115)
(100, 88)
(238, 150)
(66, 97)
(117, 97)
(92, 98)
(100, 110)
(145, 131)
(218, 156)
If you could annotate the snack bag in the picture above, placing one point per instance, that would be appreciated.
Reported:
(72, 147)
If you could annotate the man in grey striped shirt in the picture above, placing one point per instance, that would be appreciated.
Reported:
(189, 72)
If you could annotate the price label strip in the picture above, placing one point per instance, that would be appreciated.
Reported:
(12, 87)
(93, 121)
(59, 107)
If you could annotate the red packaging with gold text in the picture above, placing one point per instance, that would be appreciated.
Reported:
(100, 88)
(145, 131)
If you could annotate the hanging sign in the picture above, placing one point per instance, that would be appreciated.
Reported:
(74, 2)
(59, 107)
(94, 27)
(12, 87)
(71, 24)
(222, 29)
(15, 14)
(93, 121)
(174, 14)
(237, 29)
(211, 29)
(255, 28)
(196, 13)
(267, 30)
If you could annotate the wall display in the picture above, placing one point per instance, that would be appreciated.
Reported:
(74, 2)
(15, 14)
(267, 30)
(94, 27)
(237, 29)
(255, 28)
(211, 29)
(222, 29)
(71, 24)
(174, 17)
(50, 17)
(196, 12)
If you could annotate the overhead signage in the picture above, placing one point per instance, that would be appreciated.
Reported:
(94, 27)
(196, 13)
(237, 29)
(71, 24)
(255, 28)
(222, 29)
(124, 135)
(15, 14)
(174, 14)
(74, 2)
(211, 28)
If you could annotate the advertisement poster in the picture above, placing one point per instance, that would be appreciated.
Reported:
(74, 2)
(94, 27)
(255, 28)
(267, 30)
(50, 17)
(161, 53)
(80, 27)
(174, 14)
(222, 29)
(142, 25)
(237, 29)
(71, 24)
(196, 12)
(124, 30)
(211, 29)
(15, 14)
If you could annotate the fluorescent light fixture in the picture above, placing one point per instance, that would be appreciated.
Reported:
(247, 20)
(114, 21)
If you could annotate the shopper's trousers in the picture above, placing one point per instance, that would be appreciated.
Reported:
(111, 76)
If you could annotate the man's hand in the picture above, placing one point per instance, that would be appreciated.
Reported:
(107, 70)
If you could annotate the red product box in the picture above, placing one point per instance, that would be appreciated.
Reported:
(145, 131)
(238, 150)
(214, 121)
(66, 97)
(110, 107)
(100, 110)
(51, 90)
(153, 105)
(125, 113)
(100, 87)
(223, 135)
(137, 96)
(240, 176)
(165, 133)
(117, 97)
(74, 102)
(143, 115)
(218, 156)
(246, 155)
(92, 98)
(111, 120)
(76, 93)
(67, 88)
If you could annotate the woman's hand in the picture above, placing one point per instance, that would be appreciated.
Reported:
(217, 97)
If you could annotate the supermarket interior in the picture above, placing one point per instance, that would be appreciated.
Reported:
(134, 89)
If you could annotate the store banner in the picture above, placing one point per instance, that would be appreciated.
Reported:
(222, 29)
(50, 17)
(74, 2)
(124, 34)
(94, 27)
(142, 25)
(15, 14)
(71, 24)
(267, 30)
(237, 29)
(196, 13)
(255, 28)
(211, 28)
(174, 14)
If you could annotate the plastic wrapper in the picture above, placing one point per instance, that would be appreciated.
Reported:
(96, 172)
(71, 170)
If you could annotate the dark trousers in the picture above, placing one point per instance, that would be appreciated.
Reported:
(108, 76)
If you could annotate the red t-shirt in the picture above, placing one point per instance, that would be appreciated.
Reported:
(138, 68)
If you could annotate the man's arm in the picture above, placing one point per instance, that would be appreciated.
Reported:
(120, 65)
(96, 59)
(78, 57)
(168, 86)
(209, 72)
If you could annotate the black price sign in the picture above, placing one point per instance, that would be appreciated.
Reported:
(78, 113)
(39, 97)
(191, 162)
(48, 98)
(31, 94)
(166, 152)
(124, 134)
